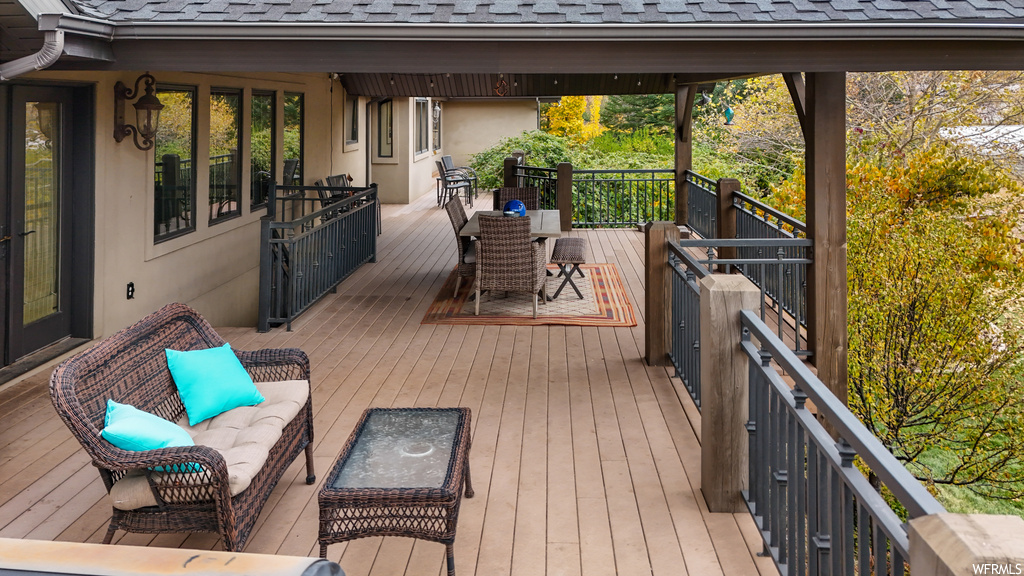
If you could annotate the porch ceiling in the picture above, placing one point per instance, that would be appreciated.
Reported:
(499, 85)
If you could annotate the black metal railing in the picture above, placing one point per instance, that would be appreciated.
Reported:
(309, 245)
(622, 198)
(787, 287)
(702, 203)
(816, 510)
(685, 349)
(544, 179)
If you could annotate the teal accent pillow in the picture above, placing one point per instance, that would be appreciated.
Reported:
(211, 382)
(129, 428)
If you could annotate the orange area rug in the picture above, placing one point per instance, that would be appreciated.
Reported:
(604, 303)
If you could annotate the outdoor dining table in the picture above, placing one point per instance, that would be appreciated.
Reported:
(543, 223)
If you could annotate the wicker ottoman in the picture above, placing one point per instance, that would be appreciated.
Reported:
(401, 473)
(568, 253)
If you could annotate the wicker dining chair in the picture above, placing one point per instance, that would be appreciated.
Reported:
(530, 197)
(467, 250)
(507, 260)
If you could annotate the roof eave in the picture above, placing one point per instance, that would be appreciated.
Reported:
(776, 31)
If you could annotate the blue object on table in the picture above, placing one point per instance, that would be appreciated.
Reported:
(515, 206)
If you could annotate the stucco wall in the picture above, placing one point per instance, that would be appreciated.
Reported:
(406, 175)
(472, 126)
(215, 267)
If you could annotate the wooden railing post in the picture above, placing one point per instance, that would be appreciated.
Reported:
(658, 292)
(563, 195)
(726, 187)
(511, 180)
(957, 544)
(724, 391)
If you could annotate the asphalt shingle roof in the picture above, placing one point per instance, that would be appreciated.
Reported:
(557, 11)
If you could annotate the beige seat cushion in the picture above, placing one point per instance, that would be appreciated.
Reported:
(244, 436)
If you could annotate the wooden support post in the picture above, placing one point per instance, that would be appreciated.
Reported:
(726, 187)
(957, 544)
(826, 225)
(510, 178)
(563, 195)
(723, 377)
(684, 149)
(658, 292)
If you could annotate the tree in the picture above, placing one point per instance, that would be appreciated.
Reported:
(577, 118)
(935, 288)
(632, 112)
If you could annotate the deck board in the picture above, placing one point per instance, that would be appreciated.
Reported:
(585, 461)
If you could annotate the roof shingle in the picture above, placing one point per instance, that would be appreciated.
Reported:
(558, 11)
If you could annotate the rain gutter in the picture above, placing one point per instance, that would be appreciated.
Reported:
(791, 31)
(56, 30)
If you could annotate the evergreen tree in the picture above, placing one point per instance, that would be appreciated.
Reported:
(631, 112)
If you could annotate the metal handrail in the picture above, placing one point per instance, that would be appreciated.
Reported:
(813, 506)
(306, 254)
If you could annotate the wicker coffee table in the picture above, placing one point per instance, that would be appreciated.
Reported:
(401, 473)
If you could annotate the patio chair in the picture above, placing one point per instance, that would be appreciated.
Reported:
(465, 172)
(530, 196)
(467, 249)
(449, 185)
(507, 260)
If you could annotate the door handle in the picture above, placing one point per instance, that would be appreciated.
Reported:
(23, 234)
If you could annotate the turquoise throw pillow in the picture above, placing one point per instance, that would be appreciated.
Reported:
(211, 381)
(129, 428)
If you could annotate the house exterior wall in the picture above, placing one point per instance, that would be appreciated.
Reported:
(406, 175)
(469, 126)
(214, 268)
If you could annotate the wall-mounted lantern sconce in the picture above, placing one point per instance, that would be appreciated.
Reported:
(437, 110)
(147, 112)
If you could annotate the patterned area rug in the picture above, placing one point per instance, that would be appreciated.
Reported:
(604, 303)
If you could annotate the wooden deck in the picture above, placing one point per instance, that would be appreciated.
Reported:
(585, 461)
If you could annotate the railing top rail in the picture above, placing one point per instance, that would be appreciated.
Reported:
(749, 242)
(907, 489)
(739, 197)
(522, 167)
(333, 207)
(691, 262)
(692, 176)
(667, 171)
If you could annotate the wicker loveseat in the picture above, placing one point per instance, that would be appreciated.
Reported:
(197, 488)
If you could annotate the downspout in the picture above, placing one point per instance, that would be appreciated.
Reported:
(53, 47)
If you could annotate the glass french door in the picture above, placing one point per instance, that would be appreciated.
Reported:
(39, 216)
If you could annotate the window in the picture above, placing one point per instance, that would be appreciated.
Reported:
(353, 120)
(422, 125)
(437, 126)
(293, 140)
(385, 148)
(174, 181)
(225, 141)
(262, 126)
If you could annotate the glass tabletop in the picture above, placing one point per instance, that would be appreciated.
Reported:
(400, 448)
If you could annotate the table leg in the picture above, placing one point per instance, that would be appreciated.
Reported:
(451, 559)
(323, 551)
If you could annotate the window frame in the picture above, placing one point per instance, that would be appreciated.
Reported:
(422, 126)
(193, 197)
(391, 128)
(300, 169)
(352, 120)
(228, 215)
(253, 204)
(435, 134)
